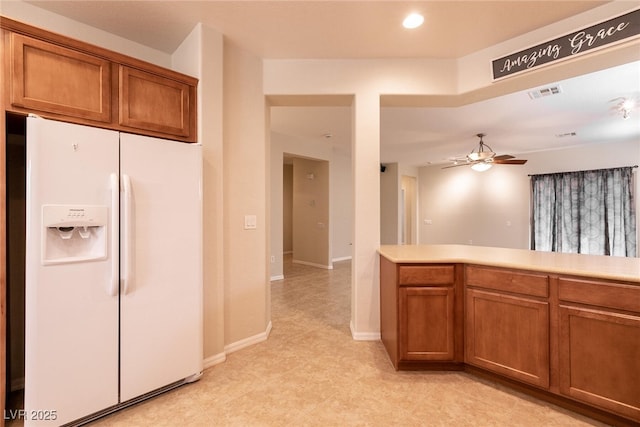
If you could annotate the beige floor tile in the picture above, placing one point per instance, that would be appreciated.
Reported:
(310, 372)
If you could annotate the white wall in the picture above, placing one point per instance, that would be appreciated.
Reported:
(464, 80)
(311, 224)
(492, 208)
(237, 176)
(287, 210)
(190, 58)
(390, 205)
(246, 182)
(468, 207)
(393, 181)
(341, 201)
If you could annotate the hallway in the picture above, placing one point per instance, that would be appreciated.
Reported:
(311, 373)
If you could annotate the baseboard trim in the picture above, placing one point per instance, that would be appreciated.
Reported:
(216, 359)
(277, 277)
(344, 258)
(244, 343)
(363, 336)
(312, 264)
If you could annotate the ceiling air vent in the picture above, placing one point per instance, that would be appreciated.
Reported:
(564, 135)
(545, 91)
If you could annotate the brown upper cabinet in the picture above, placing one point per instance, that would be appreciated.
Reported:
(66, 79)
(154, 103)
(54, 79)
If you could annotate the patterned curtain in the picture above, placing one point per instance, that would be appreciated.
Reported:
(586, 212)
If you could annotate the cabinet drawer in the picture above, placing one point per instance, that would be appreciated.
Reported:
(426, 275)
(602, 294)
(536, 285)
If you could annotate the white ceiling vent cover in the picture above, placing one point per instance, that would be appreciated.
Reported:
(545, 91)
(564, 135)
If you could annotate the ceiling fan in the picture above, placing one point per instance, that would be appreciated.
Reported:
(483, 157)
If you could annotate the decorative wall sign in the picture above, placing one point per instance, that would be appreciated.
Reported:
(612, 31)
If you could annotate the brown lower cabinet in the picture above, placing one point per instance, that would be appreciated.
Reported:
(599, 344)
(570, 340)
(421, 314)
(507, 323)
(427, 323)
(509, 335)
(600, 358)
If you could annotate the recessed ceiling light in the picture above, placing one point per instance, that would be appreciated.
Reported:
(413, 21)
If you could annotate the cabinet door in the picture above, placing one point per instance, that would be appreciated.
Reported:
(508, 335)
(426, 323)
(154, 103)
(600, 359)
(50, 78)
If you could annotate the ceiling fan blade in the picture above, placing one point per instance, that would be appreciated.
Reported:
(504, 157)
(510, 162)
(459, 164)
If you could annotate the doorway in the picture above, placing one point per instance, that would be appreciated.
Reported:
(308, 134)
(311, 198)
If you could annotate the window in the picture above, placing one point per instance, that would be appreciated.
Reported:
(586, 212)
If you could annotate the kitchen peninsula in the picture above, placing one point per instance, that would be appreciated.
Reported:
(562, 327)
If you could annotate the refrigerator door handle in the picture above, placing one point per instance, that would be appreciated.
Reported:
(128, 275)
(115, 238)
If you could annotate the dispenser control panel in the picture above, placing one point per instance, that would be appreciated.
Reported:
(75, 216)
(73, 233)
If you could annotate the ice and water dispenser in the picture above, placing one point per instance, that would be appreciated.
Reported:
(74, 233)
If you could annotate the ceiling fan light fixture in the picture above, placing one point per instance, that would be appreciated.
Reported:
(483, 157)
(480, 154)
(481, 167)
(626, 107)
(412, 21)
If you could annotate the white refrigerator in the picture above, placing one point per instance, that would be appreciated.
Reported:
(113, 269)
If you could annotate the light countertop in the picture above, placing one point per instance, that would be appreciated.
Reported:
(595, 266)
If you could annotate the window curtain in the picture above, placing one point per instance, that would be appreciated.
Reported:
(586, 212)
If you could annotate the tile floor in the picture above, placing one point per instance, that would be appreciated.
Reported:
(311, 373)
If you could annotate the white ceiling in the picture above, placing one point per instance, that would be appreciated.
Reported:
(517, 124)
(324, 29)
(514, 124)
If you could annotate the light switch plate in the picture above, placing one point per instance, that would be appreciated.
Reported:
(250, 222)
